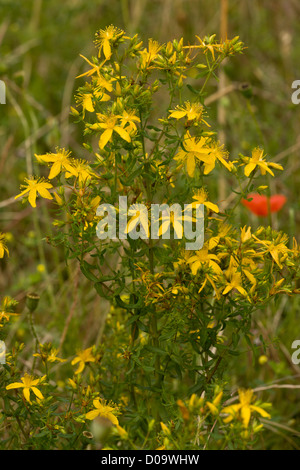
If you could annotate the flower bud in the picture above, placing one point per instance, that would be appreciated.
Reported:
(32, 301)
(169, 49)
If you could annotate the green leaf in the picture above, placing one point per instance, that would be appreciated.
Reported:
(154, 128)
(86, 270)
(192, 89)
(198, 386)
(155, 349)
(134, 331)
(235, 339)
(233, 353)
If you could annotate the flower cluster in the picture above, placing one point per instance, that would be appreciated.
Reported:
(175, 316)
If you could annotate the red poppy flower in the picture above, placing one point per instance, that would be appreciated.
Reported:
(259, 203)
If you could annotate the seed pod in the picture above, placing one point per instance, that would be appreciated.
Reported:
(32, 301)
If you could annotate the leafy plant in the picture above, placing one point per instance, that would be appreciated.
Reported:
(177, 315)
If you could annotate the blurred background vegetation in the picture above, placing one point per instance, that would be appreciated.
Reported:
(40, 43)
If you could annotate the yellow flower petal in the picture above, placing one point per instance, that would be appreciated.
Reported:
(261, 411)
(14, 385)
(26, 393)
(32, 197)
(37, 393)
(212, 407)
(44, 192)
(106, 49)
(249, 168)
(246, 414)
(105, 137)
(87, 103)
(112, 418)
(190, 165)
(92, 414)
(55, 170)
(122, 133)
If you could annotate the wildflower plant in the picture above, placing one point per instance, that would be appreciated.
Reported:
(176, 316)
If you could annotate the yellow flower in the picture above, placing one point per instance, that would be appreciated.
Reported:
(129, 117)
(234, 282)
(109, 124)
(53, 356)
(149, 55)
(140, 217)
(95, 68)
(223, 231)
(59, 200)
(244, 261)
(83, 171)
(5, 309)
(102, 84)
(262, 360)
(169, 218)
(183, 410)
(105, 38)
(213, 406)
(220, 154)
(208, 263)
(41, 268)
(296, 248)
(257, 160)
(202, 150)
(61, 161)
(35, 186)
(208, 44)
(201, 198)
(28, 383)
(193, 112)
(97, 88)
(244, 409)
(276, 248)
(93, 90)
(166, 431)
(72, 383)
(203, 259)
(3, 247)
(104, 411)
(48, 354)
(195, 150)
(83, 357)
(195, 402)
(245, 234)
(87, 103)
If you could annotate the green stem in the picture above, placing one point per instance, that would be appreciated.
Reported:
(263, 141)
(245, 191)
(34, 334)
(211, 69)
(220, 358)
(153, 319)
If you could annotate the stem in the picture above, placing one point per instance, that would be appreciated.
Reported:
(153, 319)
(245, 191)
(21, 427)
(211, 69)
(210, 376)
(76, 437)
(33, 331)
(263, 141)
